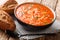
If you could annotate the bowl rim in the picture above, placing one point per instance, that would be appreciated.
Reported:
(55, 15)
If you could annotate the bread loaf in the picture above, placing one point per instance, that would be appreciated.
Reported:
(6, 22)
(8, 6)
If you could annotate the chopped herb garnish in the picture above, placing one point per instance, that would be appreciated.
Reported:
(46, 23)
(36, 17)
(31, 4)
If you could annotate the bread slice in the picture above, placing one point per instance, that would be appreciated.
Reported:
(8, 6)
(6, 22)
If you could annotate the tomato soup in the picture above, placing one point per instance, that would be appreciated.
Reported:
(34, 14)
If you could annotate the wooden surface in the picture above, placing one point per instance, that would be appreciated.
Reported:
(4, 36)
(55, 5)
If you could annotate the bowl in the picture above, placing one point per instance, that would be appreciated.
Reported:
(34, 16)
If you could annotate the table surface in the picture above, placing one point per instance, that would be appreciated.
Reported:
(54, 4)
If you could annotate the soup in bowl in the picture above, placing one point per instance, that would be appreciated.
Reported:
(35, 14)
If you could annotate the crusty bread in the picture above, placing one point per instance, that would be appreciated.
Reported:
(9, 6)
(6, 22)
